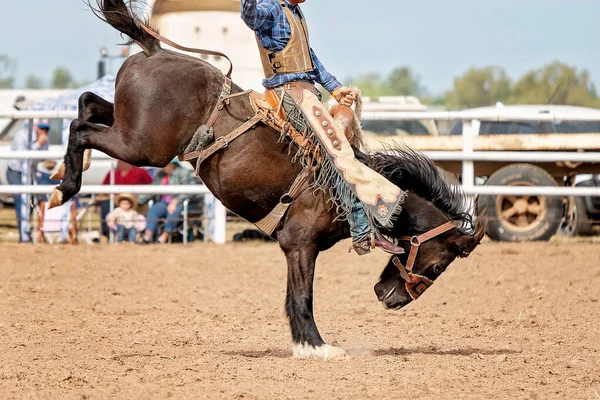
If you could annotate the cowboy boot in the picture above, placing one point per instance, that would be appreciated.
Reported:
(375, 239)
(380, 241)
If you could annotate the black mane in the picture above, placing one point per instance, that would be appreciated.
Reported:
(414, 172)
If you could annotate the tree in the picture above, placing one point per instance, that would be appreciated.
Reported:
(62, 78)
(33, 82)
(402, 82)
(479, 87)
(7, 71)
(369, 84)
(556, 83)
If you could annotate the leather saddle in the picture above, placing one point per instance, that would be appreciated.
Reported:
(269, 102)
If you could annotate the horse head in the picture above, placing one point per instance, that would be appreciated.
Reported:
(434, 228)
(433, 257)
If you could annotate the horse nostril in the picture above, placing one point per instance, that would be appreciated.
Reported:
(380, 291)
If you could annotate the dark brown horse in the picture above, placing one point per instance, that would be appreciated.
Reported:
(161, 99)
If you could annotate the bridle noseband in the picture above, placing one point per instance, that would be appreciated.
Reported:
(417, 284)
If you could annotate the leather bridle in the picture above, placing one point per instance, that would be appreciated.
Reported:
(417, 284)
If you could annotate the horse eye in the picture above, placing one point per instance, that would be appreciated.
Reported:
(438, 269)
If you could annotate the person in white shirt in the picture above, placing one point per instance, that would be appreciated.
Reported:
(14, 172)
(124, 219)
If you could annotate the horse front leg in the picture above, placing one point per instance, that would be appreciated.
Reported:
(307, 341)
(91, 108)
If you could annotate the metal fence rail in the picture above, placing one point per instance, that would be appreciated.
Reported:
(467, 156)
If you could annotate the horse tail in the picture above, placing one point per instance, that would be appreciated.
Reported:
(118, 15)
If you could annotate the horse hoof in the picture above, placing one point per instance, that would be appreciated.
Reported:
(59, 174)
(324, 352)
(56, 198)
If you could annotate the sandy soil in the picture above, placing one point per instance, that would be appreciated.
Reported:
(205, 321)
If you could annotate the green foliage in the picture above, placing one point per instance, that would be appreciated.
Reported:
(556, 83)
(7, 71)
(62, 79)
(33, 82)
(369, 84)
(479, 87)
(403, 82)
(400, 82)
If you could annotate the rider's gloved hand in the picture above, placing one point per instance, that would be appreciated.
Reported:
(344, 96)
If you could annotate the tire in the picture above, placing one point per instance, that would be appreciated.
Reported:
(521, 218)
(580, 224)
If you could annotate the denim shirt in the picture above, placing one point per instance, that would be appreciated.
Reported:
(268, 20)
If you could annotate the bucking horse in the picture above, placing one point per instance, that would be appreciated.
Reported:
(161, 99)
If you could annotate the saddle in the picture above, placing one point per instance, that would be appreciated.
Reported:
(270, 101)
(268, 110)
(269, 107)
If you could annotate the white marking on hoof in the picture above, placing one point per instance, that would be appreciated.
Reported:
(324, 352)
(56, 198)
(59, 174)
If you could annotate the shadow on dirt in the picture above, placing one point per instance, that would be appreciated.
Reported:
(391, 351)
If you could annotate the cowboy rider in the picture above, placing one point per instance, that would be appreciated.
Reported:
(292, 68)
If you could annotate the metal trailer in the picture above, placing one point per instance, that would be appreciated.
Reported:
(526, 182)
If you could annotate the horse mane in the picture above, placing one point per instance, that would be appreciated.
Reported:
(416, 173)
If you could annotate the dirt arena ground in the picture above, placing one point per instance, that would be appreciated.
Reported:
(205, 321)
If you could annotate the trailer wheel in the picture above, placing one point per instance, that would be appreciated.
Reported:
(521, 218)
(580, 224)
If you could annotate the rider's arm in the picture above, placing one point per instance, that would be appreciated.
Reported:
(328, 81)
(258, 16)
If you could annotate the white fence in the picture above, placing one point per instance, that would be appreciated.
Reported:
(467, 157)
(218, 216)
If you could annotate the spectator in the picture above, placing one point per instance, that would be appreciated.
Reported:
(169, 206)
(124, 219)
(125, 174)
(14, 172)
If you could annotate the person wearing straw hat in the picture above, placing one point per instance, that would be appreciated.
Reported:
(124, 219)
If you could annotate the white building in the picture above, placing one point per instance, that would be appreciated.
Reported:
(212, 25)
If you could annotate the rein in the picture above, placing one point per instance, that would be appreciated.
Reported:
(171, 43)
(417, 284)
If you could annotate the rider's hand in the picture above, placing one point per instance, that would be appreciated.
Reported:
(345, 96)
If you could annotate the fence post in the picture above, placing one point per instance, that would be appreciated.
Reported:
(186, 204)
(468, 168)
(220, 215)
(111, 199)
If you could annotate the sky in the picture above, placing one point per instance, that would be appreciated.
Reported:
(439, 39)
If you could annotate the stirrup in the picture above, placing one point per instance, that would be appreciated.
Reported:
(365, 245)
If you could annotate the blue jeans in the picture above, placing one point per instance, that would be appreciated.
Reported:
(14, 178)
(131, 234)
(104, 210)
(159, 211)
(359, 222)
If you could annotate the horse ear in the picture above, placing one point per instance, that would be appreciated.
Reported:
(465, 244)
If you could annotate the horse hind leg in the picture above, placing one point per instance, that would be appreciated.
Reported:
(92, 108)
(83, 136)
